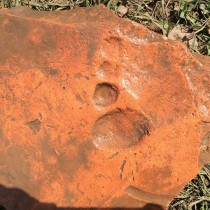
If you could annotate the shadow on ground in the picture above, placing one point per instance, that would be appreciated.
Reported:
(16, 199)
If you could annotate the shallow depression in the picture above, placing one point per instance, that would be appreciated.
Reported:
(119, 129)
(105, 94)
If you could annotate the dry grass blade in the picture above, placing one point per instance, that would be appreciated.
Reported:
(196, 194)
(160, 16)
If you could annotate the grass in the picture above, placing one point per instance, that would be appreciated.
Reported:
(196, 194)
(186, 20)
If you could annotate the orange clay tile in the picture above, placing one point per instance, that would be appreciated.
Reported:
(91, 104)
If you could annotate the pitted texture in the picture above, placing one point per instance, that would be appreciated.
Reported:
(64, 77)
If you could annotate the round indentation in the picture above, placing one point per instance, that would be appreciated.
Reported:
(105, 94)
(119, 129)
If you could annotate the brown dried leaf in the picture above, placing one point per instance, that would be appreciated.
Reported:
(121, 11)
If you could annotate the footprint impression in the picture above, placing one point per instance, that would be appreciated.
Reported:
(119, 128)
